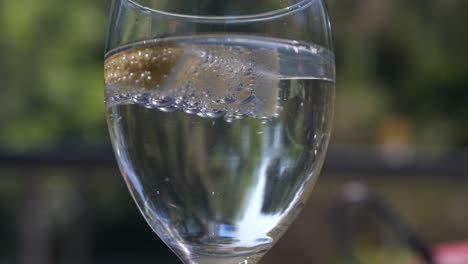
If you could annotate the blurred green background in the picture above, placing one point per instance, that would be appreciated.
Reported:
(400, 127)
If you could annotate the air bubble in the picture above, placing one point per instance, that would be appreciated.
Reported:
(168, 109)
(240, 116)
(248, 72)
(180, 103)
(124, 96)
(228, 100)
(191, 110)
(206, 93)
(216, 113)
(265, 120)
(149, 105)
(230, 118)
(109, 99)
(162, 102)
(140, 98)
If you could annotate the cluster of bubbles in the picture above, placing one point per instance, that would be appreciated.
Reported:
(137, 66)
(210, 81)
(216, 108)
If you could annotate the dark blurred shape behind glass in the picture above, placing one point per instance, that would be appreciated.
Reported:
(400, 126)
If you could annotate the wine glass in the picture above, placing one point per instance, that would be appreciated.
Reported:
(220, 115)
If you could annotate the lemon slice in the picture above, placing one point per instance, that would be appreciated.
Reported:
(215, 77)
(143, 67)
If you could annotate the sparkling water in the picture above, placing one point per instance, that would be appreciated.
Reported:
(220, 138)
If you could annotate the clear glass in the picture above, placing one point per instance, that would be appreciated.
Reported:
(219, 114)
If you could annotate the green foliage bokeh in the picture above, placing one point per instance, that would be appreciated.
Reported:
(51, 73)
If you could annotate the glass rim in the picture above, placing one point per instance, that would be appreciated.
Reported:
(223, 19)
